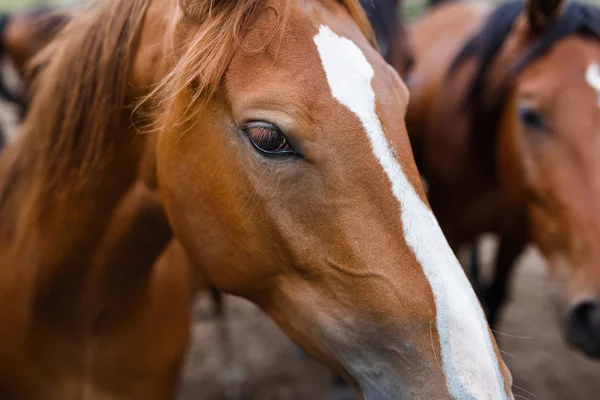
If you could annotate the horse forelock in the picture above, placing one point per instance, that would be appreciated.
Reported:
(219, 28)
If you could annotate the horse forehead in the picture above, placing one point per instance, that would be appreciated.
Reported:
(579, 58)
(294, 60)
(565, 67)
(576, 62)
(573, 53)
(356, 70)
(348, 71)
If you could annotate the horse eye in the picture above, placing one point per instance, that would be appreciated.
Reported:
(531, 118)
(267, 138)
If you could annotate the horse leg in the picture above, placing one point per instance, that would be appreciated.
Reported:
(496, 293)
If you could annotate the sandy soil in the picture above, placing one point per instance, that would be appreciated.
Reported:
(537, 355)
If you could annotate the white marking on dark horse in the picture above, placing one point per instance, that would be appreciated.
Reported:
(592, 76)
(469, 361)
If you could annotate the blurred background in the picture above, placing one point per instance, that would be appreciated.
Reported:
(7, 5)
(265, 365)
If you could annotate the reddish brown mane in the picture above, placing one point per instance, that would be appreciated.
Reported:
(203, 60)
(80, 97)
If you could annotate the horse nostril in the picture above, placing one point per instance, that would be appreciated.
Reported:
(583, 327)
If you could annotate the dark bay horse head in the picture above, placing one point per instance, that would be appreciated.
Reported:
(538, 80)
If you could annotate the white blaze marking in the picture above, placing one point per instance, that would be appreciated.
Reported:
(592, 76)
(469, 361)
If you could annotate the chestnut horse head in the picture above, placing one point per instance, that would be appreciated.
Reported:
(538, 81)
(287, 174)
(285, 170)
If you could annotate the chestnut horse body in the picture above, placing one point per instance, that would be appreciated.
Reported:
(503, 120)
(275, 138)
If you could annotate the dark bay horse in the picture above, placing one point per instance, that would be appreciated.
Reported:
(275, 138)
(504, 121)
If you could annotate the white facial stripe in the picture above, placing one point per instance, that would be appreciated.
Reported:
(592, 76)
(469, 361)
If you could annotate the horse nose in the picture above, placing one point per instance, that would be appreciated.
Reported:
(583, 327)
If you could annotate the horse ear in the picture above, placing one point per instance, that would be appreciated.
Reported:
(542, 13)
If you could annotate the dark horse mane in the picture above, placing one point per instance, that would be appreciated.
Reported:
(485, 45)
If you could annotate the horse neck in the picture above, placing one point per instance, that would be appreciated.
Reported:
(54, 235)
(137, 234)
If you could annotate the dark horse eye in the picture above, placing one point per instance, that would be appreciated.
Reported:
(267, 138)
(531, 118)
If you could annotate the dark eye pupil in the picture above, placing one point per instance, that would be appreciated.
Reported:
(268, 139)
(531, 118)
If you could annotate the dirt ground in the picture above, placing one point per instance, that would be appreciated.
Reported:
(533, 345)
(270, 367)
